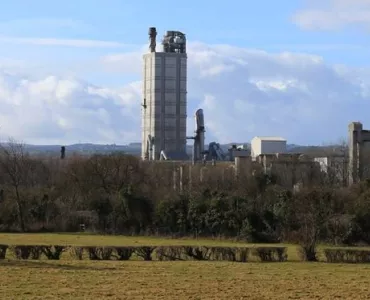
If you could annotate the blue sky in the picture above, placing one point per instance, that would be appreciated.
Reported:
(262, 24)
(100, 43)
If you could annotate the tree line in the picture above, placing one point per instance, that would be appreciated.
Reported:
(120, 194)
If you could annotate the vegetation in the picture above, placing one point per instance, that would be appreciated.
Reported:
(146, 252)
(96, 247)
(119, 194)
(180, 268)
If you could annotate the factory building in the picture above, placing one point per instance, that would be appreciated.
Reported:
(164, 106)
(267, 145)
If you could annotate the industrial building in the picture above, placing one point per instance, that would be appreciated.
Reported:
(164, 116)
(164, 107)
(267, 145)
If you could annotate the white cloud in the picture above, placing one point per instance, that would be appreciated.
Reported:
(244, 92)
(297, 96)
(57, 110)
(333, 14)
(125, 62)
(61, 42)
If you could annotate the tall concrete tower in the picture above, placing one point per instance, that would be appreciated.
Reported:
(164, 98)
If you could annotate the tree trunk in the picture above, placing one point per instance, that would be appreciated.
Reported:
(20, 211)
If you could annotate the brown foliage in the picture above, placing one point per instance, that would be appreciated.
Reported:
(145, 252)
(118, 193)
(27, 251)
(170, 253)
(21, 174)
(223, 253)
(99, 253)
(53, 252)
(3, 249)
(314, 209)
(307, 252)
(124, 253)
(76, 252)
(198, 253)
(271, 254)
(347, 256)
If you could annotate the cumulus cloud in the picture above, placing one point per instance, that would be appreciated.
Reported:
(244, 93)
(333, 14)
(247, 92)
(125, 62)
(66, 110)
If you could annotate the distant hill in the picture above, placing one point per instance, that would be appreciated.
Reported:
(87, 149)
(135, 149)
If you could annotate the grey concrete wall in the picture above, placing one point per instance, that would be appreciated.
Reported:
(165, 91)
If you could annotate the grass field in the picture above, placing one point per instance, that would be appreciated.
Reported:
(182, 280)
(105, 240)
(67, 279)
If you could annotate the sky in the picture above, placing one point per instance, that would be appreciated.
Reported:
(71, 70)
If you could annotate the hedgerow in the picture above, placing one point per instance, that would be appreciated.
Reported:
(271, 254)
(3, 249)
(146, 253)
(343, 255)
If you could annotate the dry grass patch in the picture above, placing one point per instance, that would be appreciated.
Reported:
(181, 280)
(82, 239)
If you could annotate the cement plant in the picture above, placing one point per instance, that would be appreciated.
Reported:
(163, 137)
(174, 221)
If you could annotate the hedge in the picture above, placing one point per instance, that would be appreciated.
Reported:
(343, 255)
(174, 253)
(146, 253)
(271, 254)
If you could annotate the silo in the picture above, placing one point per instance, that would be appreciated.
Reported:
(164, 106)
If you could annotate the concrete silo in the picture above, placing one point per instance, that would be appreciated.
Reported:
(164, 106)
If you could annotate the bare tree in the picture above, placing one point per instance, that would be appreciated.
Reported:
(314, 207)
(18, 172)
(334, 164)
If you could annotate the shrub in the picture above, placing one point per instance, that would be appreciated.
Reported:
(170, 253)
(76, 252)
(198, 252)
(271, 253)
(124, 253)
(144, 252)
(234, 254)
(223, 253)
(35, 252)
(307, 252)
(24, 251)
(53, 252)
(93, 255)
(3, 249)
(242, 254)
(100, 253)
(347, 255)
(202, 253)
